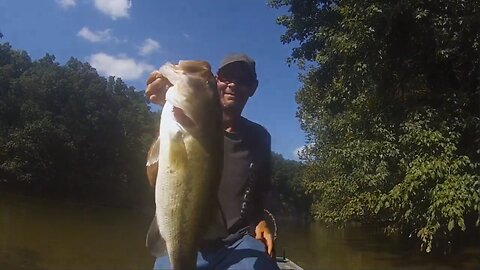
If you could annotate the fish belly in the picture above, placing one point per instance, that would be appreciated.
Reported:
(184, 193)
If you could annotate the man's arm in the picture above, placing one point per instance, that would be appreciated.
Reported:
(262, 231)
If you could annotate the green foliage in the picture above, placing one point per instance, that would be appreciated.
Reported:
(391, 106)
(66, 131)
(288, 185)
(440, 188)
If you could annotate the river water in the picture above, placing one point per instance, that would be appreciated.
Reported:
(42, 234)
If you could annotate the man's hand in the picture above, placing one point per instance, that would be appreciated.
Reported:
(157, 86)
(262, 233)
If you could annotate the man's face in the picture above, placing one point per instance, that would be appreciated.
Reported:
(235, 85)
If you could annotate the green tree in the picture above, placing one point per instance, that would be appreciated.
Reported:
(391, 105)
(288, 186)
(65, 131)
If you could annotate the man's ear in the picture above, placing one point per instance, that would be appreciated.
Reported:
(254, 88)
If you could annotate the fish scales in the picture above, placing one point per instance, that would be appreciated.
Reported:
(189, 160)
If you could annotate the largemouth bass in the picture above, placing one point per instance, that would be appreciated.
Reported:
(187, 158)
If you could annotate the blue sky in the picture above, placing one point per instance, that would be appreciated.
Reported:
(129, 39)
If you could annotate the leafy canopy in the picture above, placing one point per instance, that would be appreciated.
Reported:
(391, 106)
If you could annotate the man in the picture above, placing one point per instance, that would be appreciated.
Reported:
(245, 179)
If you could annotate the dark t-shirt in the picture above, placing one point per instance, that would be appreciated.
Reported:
(247, 166)
(246, 175)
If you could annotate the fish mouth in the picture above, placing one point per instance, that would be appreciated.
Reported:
(182, 118)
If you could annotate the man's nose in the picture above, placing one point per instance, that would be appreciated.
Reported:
(231, 85)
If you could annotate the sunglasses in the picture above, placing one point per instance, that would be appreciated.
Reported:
(239, 81)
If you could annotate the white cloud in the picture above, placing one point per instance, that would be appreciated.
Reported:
(187, 36)
(148, 47)
(297, 152)
(114, 8)
(66, 3)
(97, 36)
(119, 66)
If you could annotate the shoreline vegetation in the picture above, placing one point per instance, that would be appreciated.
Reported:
(389, 102)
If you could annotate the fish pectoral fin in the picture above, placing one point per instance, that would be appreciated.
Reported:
(218, 226)
(154, 152)
(152, 162)
(154, 241)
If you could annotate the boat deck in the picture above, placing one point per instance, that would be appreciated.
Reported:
(286, 264)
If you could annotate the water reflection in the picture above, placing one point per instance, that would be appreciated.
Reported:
(41, 234)
(316, 247)
(19, 258)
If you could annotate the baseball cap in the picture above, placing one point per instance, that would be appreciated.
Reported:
(240, 57)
